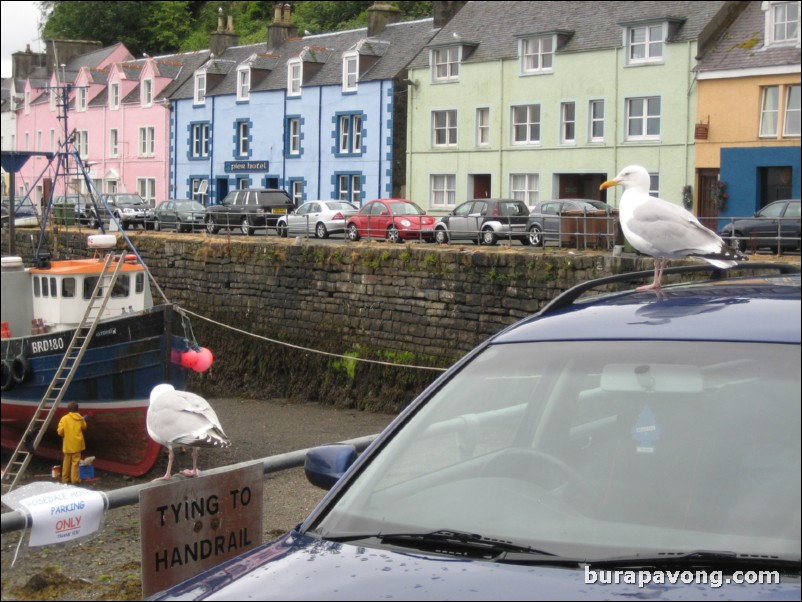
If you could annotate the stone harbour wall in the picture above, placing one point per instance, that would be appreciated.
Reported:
(403, 305)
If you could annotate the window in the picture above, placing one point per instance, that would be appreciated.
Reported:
(38, 140)
(200, 140)
(643, 118)
(52, 140)
(68, 288)
(654, 185)
(114, 96)
(770, 111)
(147, 141)
(80, 99)
(444, 190)
(297, 191)
(200, 88)
(782, 22)
(444, 128)
(645, 44)
(146, 187)
(114, 143)
(350, 134)
(294, 77)
(537, 54)
(293, 136)
(524, 187)
(350, 71)
(349, 188)
(82, 143)
(52, 100)
(27, 101)
(597, 121)
(791, 121)
(243, 139)
(147, 93)
(243, 83)
(446, 63)
(483, 127)
(526, 124)
(568, 123)
(200, 190)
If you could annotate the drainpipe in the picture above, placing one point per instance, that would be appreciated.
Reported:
(381, 137)
(320, 140)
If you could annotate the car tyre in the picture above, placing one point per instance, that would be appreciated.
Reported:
(211, 227)
(246, 228)
(536, 236)
(352, 232)
(737, 242)
(441, 236)
(489, 237)
(282, 230)
(393, 235)
(321, 231)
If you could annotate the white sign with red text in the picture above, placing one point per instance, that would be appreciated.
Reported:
(63, 515)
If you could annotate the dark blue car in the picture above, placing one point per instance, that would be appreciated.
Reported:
(629, 445)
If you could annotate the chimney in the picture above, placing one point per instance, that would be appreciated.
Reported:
(23, 64)
(380, 15)
(223, 38)
(281, 29)
(445, 11)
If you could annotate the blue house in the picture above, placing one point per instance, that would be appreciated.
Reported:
(321, 116)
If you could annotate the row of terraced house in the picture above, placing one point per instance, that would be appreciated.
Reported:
(530, 100)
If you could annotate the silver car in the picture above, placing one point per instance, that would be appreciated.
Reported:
(317, 218)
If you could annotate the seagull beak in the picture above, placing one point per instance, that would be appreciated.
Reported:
(608, 184)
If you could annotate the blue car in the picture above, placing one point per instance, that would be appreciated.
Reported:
(627, 445)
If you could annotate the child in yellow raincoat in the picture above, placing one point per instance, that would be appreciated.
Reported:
(71, 428)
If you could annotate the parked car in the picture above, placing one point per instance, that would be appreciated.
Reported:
(182, 215)
(130, 210)
(573, 222)
(777, 219)
(25, 214)
(485, 221)
(624, 432)
(83, 211)
(316, 218)
(249, 209)
(393, 219)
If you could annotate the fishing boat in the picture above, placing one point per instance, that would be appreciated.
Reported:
(136, 345)
(86, 330)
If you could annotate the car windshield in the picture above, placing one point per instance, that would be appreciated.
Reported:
(596, 450)
(189, 206)
(402, 208)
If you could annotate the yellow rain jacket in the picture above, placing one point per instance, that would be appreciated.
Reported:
(71, 428)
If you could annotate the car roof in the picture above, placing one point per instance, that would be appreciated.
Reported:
(712, 310)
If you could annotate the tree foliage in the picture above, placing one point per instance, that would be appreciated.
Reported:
(161, 27)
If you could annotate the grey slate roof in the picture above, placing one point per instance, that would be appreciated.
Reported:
(497, 26)
(395, 47)
(743, 46)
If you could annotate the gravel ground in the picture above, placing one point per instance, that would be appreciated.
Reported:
(108, 566)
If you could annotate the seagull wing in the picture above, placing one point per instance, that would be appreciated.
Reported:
(182, 418)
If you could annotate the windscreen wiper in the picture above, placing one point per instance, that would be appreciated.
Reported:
(698, 558)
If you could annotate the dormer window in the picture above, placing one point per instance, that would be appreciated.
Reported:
(350, 71)
(537, 54)
(27, 102)
(645, 44)
(114, 96)
(294, 77)
(200, 88)
(80, 99)
(445, 63)
(52, 95)
(782, 23)
(147, 93)
(243, 83)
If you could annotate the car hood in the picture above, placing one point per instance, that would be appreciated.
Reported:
(298, 567)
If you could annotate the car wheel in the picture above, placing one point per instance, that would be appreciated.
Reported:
(211, 227)
(353, 232)
(536, 236)
(737, 242)
(489, 237)
(525, 241)
(245, 226)
(441, 236)
(321, 231)
(281, 229)
(393, 235)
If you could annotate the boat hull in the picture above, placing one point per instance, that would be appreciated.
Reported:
(126, 358)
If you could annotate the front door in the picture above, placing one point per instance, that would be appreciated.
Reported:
(707, 210)
(481, 187)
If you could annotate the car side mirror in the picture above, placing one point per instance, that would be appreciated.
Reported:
(385, 213)
(325, 465)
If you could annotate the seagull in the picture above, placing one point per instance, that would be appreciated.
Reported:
(181, 418)
(664, 230)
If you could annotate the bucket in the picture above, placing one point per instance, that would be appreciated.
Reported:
(55, 472)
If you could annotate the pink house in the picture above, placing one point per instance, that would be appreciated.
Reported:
(120, 116)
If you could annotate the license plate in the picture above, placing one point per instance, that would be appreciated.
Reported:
(279, 211)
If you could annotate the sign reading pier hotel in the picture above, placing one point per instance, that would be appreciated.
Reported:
(190, 525)
(246, 166)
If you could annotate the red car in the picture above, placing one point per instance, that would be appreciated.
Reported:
(393, 219)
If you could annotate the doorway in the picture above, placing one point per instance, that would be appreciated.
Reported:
(707, 191)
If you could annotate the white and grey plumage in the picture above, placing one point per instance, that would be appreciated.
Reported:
(183, 419)
(664, 230)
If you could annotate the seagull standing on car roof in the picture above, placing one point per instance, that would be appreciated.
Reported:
(664, 230)
(183, 418)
